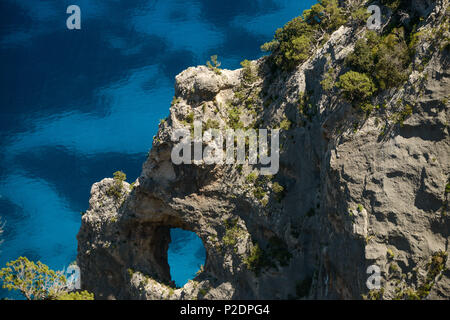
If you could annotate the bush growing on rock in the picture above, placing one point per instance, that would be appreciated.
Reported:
(360, 15)
(116, 189)
(190, 117)
(363, 57)
(277, 188)
(253, 261)
(211, 124)
(403, 114)
(392, 60)
(248, 73)
(329, 80)
(214, 65)
(327, 15)
(234, 118)
(295, 51)
(434, 268)
(294, 43)
(385, 57)
(356, 86)
(251, 178)
(259, 193)
(232, 232)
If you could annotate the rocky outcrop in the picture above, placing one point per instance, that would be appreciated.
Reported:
(356, 190)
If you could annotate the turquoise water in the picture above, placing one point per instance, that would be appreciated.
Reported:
(77, 105)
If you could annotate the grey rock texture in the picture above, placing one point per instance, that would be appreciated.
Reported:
(358, 191)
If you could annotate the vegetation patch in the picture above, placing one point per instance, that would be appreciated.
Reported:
(259, 193)
(211, 124)
(276, 253)
(329, 80)
(285, 124)
(254, 260)
(278, 190)
(116, 190)
(214, 65)
(36, 281)
(252, 177)
(374, 294)
(232, 232)
(234, 118)
(249, 74)
(404, 113)
(294, 43)
(78, 295)
(355, 86)
(434, 267)
(306, 108)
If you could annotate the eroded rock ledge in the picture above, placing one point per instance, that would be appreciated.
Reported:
(352, 195)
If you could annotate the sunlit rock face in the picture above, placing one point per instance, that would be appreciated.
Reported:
(353, 195)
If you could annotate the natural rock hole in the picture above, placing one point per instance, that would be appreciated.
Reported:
(185, 256)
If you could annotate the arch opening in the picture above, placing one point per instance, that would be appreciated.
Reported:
(185, 256)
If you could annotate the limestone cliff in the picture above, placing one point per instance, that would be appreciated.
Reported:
(356, 187)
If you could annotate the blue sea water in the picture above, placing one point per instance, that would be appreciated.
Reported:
(77, 105)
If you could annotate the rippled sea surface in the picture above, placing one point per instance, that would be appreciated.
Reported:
(77, 105)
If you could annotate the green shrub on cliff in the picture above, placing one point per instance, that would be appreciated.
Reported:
(329, 80)
(211, 124)
(254, 259)
(248, 73)
(434, 268)
(393, 60)
(360, 15)
(385, 58)
(277, 188)
(251, 178)
(285, 124)
(119, 176)
(259, 193)
(326, 14)
(234, 118)
(391, 4)
(363, 57)
(214, 65)
(436, 265)
(232, 232)
(294, 43)
(116, 190)
(374, 295)
(400, 116)
(295, 51)
(356, 86)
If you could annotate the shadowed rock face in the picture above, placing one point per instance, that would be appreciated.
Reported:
(353, 196)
